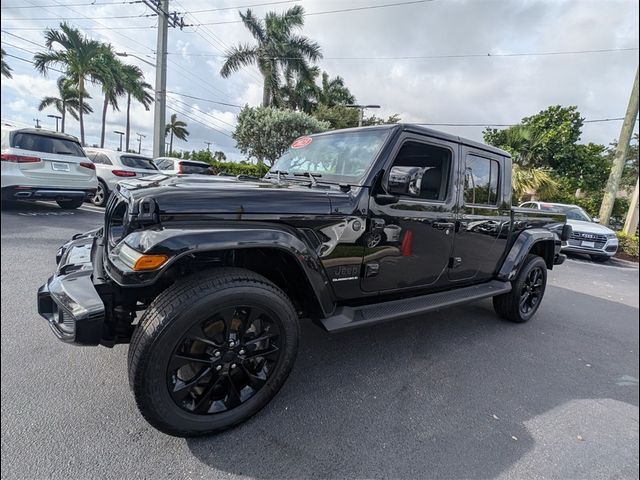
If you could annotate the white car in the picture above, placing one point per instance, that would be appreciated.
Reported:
(113, 166)
(175, 166)
(39, 164)
(588, 237)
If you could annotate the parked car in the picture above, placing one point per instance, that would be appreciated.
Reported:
(208, 280)
(175, 166)
(39, 164)
(589, 237)
(113, 166)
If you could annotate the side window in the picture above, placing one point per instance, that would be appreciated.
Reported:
(91, 156)
(103, 159)
(481, 178)
(435, 162)
(527, 205)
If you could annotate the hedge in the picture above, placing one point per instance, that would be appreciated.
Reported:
(628, 244)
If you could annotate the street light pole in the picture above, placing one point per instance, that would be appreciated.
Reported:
(37, 120)
(121, 134)
(57, 117)
(208, 144)
(361, 112)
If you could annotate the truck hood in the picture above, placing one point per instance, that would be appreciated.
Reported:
(206, 194)
(589, 227)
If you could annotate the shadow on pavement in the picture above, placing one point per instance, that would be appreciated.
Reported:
(417, 398)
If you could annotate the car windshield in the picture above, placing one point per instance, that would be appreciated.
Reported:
(572, 212)
(335, 157)
(138, 162)
(46, 144)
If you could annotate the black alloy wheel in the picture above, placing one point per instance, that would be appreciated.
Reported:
(528, 288)
(532, 290)
(222, 362)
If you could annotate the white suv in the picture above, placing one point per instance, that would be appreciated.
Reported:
(597, 241)
(175, 166)
(113, 166)
(39, 164)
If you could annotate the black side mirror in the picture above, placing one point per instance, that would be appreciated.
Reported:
(405, 181)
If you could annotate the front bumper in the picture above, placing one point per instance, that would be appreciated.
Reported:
(69, 300)
(609, 248)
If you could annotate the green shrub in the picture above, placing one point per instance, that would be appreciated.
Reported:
(628, 244)
(233, 168)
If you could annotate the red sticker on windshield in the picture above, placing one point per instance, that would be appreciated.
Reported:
(301, 142)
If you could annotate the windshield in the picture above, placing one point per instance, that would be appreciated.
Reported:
(340, 157)
(572, 212)
(192, 167)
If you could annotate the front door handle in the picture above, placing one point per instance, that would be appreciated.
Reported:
(443, 225)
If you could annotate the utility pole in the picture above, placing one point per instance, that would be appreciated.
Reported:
(165, 20)
(37, 120)
(121, 134)
(160, 110)
(631, 224)
(621, 155)
(208, 146)
(140, 137)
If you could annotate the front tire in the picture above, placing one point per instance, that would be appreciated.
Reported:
(211, 351)
(528, 288)
(70, 204)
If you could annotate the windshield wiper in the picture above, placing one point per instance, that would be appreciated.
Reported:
(277, 173)
(311, 176)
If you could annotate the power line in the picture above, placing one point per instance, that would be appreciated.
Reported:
(325, 12)
(597, 120)
(244, 6)
(23, 39)
(176, 110)
(31, 62)
(205, 99)
(19, 48)
(58, 18)
(205, 113)
(94, 4)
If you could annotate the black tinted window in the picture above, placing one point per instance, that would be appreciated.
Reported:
(100, 158)
(481, 181)
(435, 164)
(164, 164)
(45, 144)
(188, 167)
(137, 162)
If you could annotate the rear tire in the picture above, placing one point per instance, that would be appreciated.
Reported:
(196, 370)
(101, 196)
(528, 288)
(600, 258)
(70, 204)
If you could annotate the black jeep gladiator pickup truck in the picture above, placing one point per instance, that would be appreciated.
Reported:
(207, 277)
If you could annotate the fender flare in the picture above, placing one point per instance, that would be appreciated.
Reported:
(180, 242)
(522, 246)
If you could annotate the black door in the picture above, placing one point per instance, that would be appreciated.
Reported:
(483, 223)
(410, 239)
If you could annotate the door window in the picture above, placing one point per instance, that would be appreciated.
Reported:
(435, 163)
(481, 181)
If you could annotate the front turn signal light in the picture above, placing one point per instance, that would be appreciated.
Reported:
(149, 262)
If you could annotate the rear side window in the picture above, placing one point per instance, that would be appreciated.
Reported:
(164, 164)
(137, 162)
(190, 167)
(45, 144)
(481, 181)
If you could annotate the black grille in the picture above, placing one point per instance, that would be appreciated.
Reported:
(589, 237)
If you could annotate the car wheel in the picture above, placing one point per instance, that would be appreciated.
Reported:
(372, 240)
(528, 288)
(70, 204)
(101, 196)
(600, 258)
(211, 351)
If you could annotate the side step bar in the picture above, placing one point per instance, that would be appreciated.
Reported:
(346, 318)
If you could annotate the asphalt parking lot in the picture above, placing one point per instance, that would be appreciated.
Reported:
(456, 394)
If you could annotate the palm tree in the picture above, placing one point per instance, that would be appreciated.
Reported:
(134, 86)
(334, 92)
(67, 101)
(110, 77)
(6, 69)
(300, 91)
(278, 51)
(178, 128)
(524, 180)
(78, 57)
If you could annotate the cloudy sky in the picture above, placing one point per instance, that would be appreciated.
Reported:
(365, 46)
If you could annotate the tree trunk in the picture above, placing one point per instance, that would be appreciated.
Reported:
(128, 128)
(171, 142)
(81, 98)
(63, 114)
(104, 120)
(266, 94)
